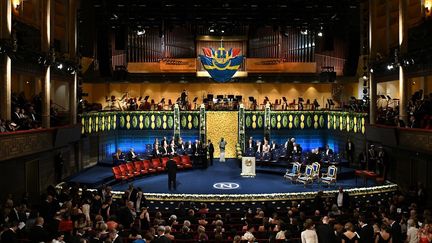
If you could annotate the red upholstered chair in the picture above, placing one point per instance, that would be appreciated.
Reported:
(185, 159)
(149, 166)
(177, 159)
(139, 166)
(164, 161)
(118, 174)
(157, 165)
(131, 168)
(125, 172)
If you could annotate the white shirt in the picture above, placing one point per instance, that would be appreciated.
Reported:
(309, 236)
(412, 236)
(340, 199)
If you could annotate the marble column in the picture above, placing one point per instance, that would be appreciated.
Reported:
(72, 36)
(403, 99)
(47, 36)
(5, 62)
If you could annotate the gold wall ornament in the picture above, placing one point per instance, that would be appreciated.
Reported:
(223, 124)
(248, 162)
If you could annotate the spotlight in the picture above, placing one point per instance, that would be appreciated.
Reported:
(60, 66)
(222, 31)
(365, 77)
(304, 31)
(140, 32)
(320, 33)
(371, 70)
(390, 66)
(212, 30)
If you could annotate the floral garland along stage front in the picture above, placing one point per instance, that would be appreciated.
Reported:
(258, 197)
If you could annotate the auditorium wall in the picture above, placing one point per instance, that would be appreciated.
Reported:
(156, 91)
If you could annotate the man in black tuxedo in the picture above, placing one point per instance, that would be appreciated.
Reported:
(38, 233)
(328, 151)
(349, 150)
(372, 158)
(395, 228)
(342, 199)
(172, 173)
(382, 162)
(366, 231)
(10, 235)
(161, 238)
(131, 155)
(325, 231)
(16, 117)
(210, 149)
(114, 237)
(156, 151)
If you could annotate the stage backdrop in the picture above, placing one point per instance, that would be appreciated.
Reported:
(223, 124)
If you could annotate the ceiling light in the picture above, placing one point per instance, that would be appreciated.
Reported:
(390, 66)
(141, 32)
(60, 66)
(304, 31)
(320, 33)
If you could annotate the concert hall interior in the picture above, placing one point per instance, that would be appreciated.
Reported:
(271, 121)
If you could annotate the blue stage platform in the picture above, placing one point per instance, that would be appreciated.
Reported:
(205, 181)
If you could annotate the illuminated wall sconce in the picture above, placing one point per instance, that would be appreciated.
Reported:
(428, 7)
(16, 4)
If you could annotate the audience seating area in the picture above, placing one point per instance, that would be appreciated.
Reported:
(129, 170)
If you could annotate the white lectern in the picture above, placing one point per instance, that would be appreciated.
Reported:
(248, 167)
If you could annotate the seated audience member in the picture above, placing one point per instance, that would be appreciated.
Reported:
(16, 116)
(119, 156)
(273, 146)
(156, 151)
(172, 148)
(131, 155)
(327, 150)
(164, 149)
(266, 151)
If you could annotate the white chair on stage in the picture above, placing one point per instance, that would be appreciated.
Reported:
(331, 175)
(294, 173)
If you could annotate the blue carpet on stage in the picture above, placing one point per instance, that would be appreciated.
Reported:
(93, 176)
(202, 181)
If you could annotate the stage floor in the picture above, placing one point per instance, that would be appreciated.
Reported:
(223, 178)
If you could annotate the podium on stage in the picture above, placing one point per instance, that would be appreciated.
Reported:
(248, 167)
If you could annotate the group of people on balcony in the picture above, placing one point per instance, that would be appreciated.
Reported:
(201, 153)
(419, 112)
(26, 114)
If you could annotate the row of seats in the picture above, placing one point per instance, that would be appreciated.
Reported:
(143, 167)
(311, 174)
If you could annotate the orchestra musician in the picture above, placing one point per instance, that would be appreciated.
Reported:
(184, 99)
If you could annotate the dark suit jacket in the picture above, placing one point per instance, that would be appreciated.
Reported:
(162, 239)
(38, 234)
(16, 118)
(347, 148)
(345, 200)
(396, 233)
(171, 167)
(211, 148)
(129, 156)
(155, 154)
(9, 237)
(366, 234)
(325, 233)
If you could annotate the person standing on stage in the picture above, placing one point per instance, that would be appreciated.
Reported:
(210, 148)
(172, 172)
(349, 149)
(222, 145)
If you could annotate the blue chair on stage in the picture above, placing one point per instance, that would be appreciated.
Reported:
(293, 173)
(266, 156)
(307, 176)
(331, 175)
(316, 170)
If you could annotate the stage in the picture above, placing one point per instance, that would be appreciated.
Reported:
(222, 181)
